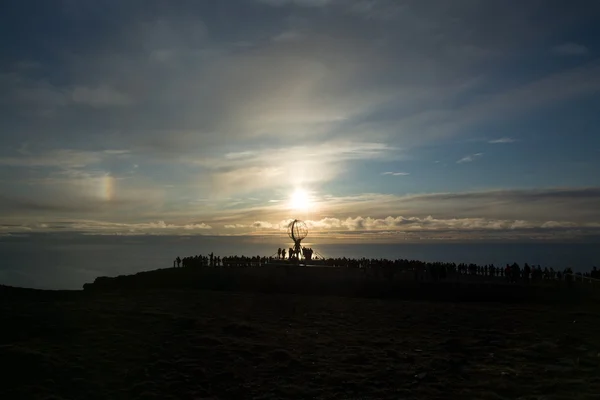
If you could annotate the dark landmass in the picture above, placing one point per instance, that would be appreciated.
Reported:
(350, 282)
(331, 335)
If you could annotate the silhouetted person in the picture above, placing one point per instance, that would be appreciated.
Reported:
(283, 253)
(279, 252)
(515, 272)
(568, 273)
(178, 261)
(526, 273)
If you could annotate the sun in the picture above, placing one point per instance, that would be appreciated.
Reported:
(300, 200)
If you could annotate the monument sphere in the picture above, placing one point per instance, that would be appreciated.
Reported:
(297, 230)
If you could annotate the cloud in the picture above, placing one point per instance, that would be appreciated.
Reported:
(116, 152)
(234, 226)
(104, 227)
(429, 228)
(430, 124)
(301, 3)
(265, 225)
(377, 9)
(77, 194)
(45, 98)
(288, 36)
(67, 158)
(196, 226)
(560, 86)
(191, 91)
(61, 158)
(575, 205)
(395, 173)
(570, 49)
(72, 182)
(255, 170)
(572, 204)
(101, 96)
(430, 223)
(81, 198)
(458, 214)
(470, 158)
(215, 113)
(502, 140)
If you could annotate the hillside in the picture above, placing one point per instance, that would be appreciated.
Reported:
(194, 344)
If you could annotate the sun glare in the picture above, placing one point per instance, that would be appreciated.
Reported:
(300, 200)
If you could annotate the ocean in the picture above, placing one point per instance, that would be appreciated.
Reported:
(67, 262)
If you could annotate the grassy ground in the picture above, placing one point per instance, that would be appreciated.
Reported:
(200, 344)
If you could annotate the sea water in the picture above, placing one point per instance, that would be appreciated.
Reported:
(62, 262)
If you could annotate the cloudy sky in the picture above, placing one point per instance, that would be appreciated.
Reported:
(382, 119)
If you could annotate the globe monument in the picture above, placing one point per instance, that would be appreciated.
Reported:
(297, 231)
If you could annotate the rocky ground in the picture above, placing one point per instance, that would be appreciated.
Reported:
(200, 344)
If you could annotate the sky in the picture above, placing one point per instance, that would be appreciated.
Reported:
(374, 120)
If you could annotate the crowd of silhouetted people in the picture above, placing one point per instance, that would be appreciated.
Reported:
(294, 254)
(386, 268)
(216, 261)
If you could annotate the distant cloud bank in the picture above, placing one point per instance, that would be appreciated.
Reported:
(502, 140)
(395, 173)
(470, 158)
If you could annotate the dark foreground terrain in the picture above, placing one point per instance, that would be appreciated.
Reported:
(193, 344)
